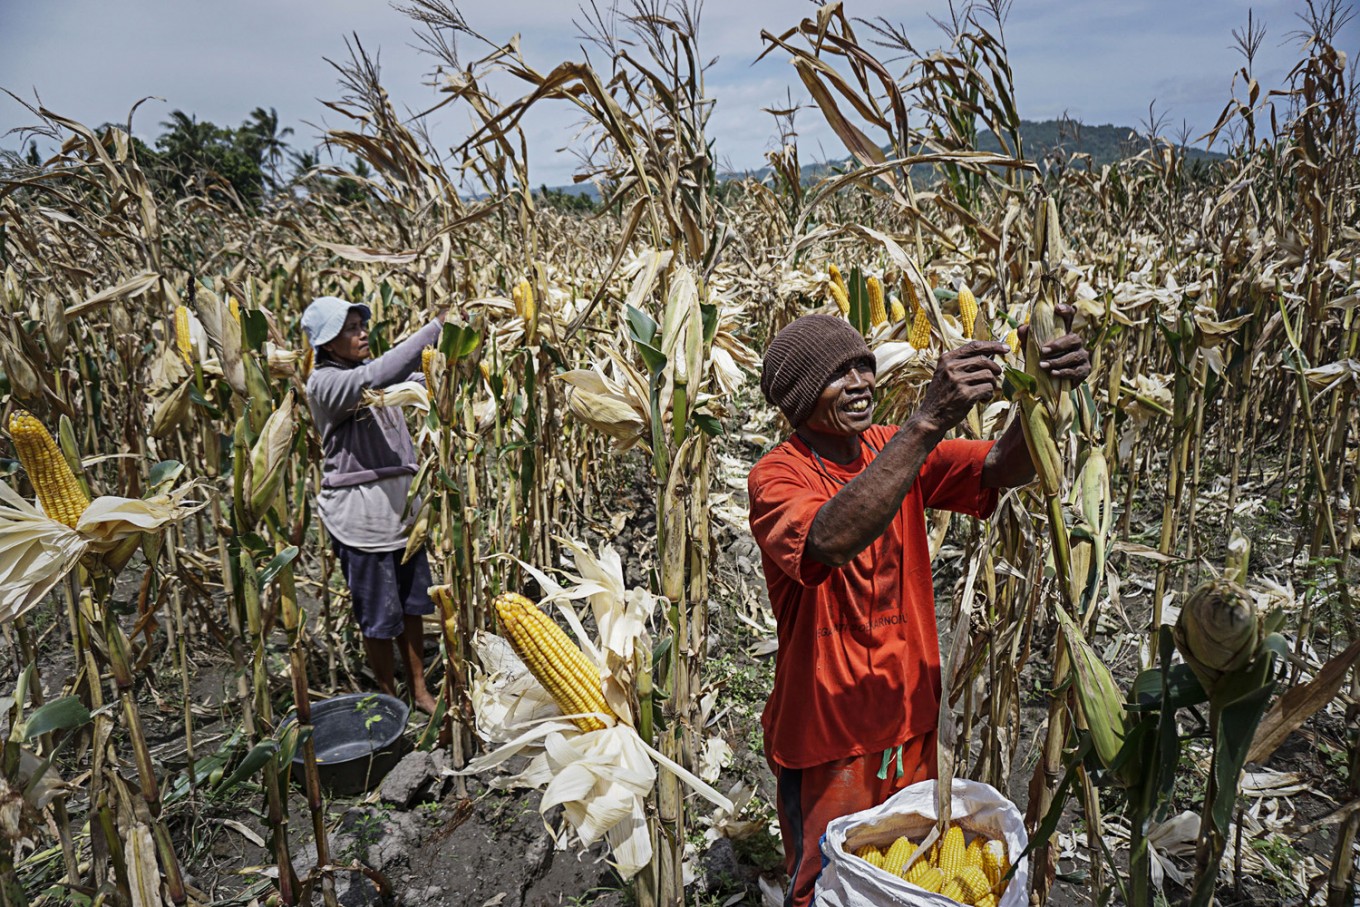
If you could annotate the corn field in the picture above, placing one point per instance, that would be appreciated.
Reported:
(585, 428)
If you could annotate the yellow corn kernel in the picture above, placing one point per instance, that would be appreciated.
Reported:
(968, 310)
(897, 313)
(995, 862)
(878, 312)
(931, 879)
(920, 328)
(898, 854)
(951, 851)
(974, 882)
(863, 852)
(874, 858)
(919, 869)
(841, 298)
(59, 492)
(953, 890)
(183, 341)
(551, 656)
(987, 900)
(523, 298)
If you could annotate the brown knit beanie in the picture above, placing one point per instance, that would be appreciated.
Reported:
(802, 359)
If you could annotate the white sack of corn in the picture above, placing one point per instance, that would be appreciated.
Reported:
(848, 881)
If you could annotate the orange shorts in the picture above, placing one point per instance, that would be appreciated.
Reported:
(809, 798)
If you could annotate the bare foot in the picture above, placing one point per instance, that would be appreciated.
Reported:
(425, 703)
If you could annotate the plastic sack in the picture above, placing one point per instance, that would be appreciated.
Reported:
(848, 881)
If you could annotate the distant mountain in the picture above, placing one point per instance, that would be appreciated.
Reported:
(1105, 144)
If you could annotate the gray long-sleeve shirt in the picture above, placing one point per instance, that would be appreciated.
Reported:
(369, 458)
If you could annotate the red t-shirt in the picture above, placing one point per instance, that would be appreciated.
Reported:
(858, 667)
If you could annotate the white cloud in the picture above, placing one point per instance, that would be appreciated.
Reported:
(1099, 62)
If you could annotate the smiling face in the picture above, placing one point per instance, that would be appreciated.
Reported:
(845, 407)
(350, 347)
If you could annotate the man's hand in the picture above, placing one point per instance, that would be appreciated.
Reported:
(963, 378)
(1067, 356)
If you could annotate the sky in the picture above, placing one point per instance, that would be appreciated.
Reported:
(1097, 61)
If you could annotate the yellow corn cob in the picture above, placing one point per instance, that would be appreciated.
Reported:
(951, 851)
(974, 882)
(523, 297)
(841, 298)
(183, 341)
(878, 312)
(863, 852)
(59, 493)
(426, 358)
(987, 900)
(931, 879)
(551, 656)
(898, 854)
(837, 280)
(874, 858)
(968, 310)
(995, 862)
(1013, 340)
(897, 312)
(973, 855)
(920, 328)
(234, 308)
(920, 869)
(953, 890)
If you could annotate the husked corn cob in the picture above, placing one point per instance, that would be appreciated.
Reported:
(874, 858)
(562, 668)
(837, 280)
(896, 311)
(878, 312)
(183, 342)
(931, 879)
(59, 493)
(953, 889)
(973, 855)
(987, 900)
(920, 869)
(898, 854)
(841, 297)
(234, 308)
(1013, 340)
(426, 359)
(951, 851)
(523, 298)
(863, 852)
(968, 310)
(995, 862)
(920, 328)
(974, 882)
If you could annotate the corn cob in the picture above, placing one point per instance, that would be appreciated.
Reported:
(863, 852)
(931, 879)
(1013, 340)
(183, 341)
(426, 360)
(59, 493)
(920, 328)
(987, 900)
(557, 663)
(968, 310)
(234, 308)
(951, 851)
(898, 854)
(953, 889)
(841, 298)
(973, 855)
(897, 313)
(874, 858)
(920, 869)
(523, 297)
(974, 883)
(837, 280)
(878, 312)
(995, 862)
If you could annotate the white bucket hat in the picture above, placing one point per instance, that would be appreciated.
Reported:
(324, 319)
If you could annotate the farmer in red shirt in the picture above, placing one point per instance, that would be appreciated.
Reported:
(838, 510)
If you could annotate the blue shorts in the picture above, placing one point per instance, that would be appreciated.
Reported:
(384, 591)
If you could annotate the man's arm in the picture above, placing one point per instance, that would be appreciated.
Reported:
(862, 511)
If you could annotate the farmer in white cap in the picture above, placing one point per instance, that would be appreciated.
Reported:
(369, 462)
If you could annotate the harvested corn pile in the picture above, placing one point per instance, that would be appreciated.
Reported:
(967, 867)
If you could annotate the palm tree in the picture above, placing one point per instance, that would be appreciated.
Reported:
(267, 140)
